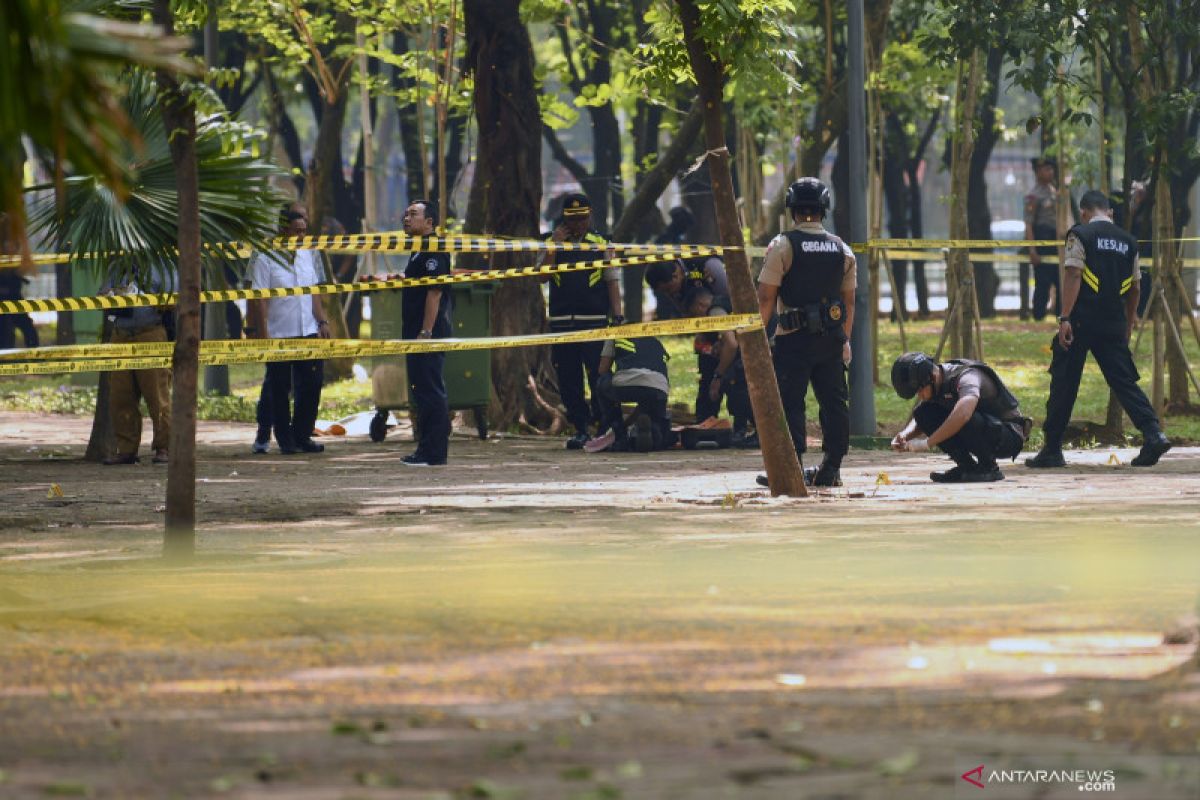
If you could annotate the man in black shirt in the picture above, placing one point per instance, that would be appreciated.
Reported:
(1100, 300)
(426, 315)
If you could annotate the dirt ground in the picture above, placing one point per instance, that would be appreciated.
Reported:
(535, 623)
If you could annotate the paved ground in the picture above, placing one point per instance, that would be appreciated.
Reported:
(535, 623)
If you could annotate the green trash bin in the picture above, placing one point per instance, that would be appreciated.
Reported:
(468, 373)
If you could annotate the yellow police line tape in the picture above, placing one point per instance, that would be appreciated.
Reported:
(157, 355)
(147, 300)
(1007, 258)
(399, 243)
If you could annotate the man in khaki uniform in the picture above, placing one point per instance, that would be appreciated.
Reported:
(1041, 223)
(128, 387)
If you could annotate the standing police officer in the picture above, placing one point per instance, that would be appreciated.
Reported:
(1100, 298)
(580, 300)
(1041, 223)
(425, 314)
(809, 279)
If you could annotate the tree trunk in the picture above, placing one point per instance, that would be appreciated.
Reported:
(281, 123)
(410, 131)
(979, 213)
(500, 55)
(179, 116)
(779, 455)
(961, 289)
(326, 184)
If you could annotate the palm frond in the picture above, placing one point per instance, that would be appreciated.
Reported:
(135, 230)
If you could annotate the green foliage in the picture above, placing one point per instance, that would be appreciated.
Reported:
(137, 232)
(59, 73)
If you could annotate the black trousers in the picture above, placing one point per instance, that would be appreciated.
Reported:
(573, 363)
(984, 438)
(706, 365)
(428, 391)
(11, 323)
(1108, 346)
(304, 379)
(262, 410)
(1045, 276)
(651, 402)
(801, 359)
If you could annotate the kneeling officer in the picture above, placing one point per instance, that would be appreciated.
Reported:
(966, 410)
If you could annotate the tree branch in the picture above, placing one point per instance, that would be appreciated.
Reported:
(561, 155)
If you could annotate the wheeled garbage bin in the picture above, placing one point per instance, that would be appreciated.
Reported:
(468, 373)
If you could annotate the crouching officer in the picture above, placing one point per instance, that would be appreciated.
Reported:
(1100, 299)
(966, 410)
(640, 377)
(809, 278)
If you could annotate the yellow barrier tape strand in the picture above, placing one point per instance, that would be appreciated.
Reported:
(473, 276)
(252, 352)
(395, 242)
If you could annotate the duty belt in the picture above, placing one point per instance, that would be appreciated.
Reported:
(814, 318)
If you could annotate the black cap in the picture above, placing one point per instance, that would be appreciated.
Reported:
(576, 204)
(1038, 161)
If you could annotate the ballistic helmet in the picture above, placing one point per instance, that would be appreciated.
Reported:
(911, 372)
(807, 194)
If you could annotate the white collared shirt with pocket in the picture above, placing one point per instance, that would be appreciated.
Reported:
(288, 317)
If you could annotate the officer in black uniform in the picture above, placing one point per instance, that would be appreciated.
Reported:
(966, 410)
(426, 315)
(1100, 298)
(671, 281)
(641, 377)
(580, 300)
(809, 278)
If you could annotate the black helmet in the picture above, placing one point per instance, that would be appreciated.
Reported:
(808, 193)
(911, 372)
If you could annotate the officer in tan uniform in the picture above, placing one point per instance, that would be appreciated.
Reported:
(1041, 223)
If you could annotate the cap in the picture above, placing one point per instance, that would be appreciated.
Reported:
(576, 205)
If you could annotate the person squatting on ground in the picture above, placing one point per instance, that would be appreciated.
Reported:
(966, 410)
(726, 378)
(1100, 300)
(640, 377)
(672, 280)
(808, 277)
(128, 387)
(580, 300)
(301, 317)
(426, 315)
(1041, 223)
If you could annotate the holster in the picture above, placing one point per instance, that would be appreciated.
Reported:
(814, 318)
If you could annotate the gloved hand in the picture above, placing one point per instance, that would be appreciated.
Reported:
(899, 443)
(918, 444)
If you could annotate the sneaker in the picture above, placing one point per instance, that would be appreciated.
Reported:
(823, 476)
(577, 441)
(1047, 458)
(952, 475)
(1155, 445)
(641, 434)
(260, 448)
(745, 441)
(418, 460)
(160, 457)
(600, 443)
(127, 458)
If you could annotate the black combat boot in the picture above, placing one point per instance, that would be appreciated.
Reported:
(1154, 444)
(1048, 457)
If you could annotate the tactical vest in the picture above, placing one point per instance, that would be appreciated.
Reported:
(815, 276)
(644, 352)
(580, 298)
(1107, 271)
(1003, 406)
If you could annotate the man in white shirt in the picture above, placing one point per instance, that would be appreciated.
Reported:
(300, 317)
